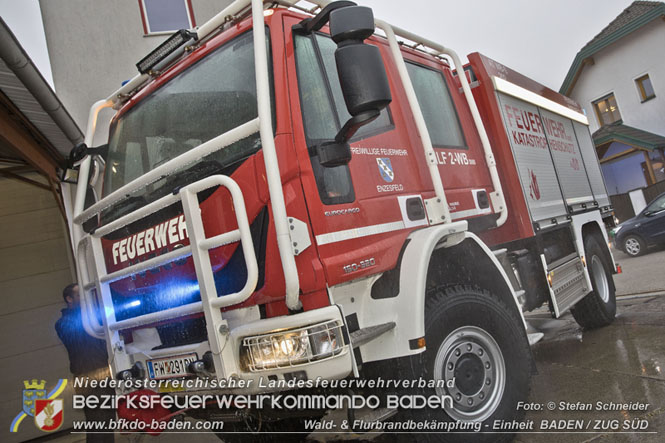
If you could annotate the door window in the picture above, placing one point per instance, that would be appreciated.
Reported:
(657, 205)
(324, 112)
(437, 107)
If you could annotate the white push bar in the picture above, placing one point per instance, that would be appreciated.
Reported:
(199, 249)
(499, 199)
(262, 124)
(175, 164)
(270, 158)
(85, 279)
(430, 155)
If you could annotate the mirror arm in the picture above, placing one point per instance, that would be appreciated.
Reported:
(354, 123)
(309, 25)
(81, 150)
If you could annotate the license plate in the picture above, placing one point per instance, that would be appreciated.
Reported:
(170, 367)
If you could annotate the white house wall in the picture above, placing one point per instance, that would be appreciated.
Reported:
(615, 70)
(94, 46)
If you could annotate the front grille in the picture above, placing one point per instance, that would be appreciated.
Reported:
(183, 332)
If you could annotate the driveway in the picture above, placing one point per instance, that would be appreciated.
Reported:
(623, 363)
(640, 274)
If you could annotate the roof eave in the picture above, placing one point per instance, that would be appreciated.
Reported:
(588, 51)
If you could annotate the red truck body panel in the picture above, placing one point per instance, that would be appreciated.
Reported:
(341, 234)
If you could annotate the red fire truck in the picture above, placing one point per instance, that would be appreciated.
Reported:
(287, 195)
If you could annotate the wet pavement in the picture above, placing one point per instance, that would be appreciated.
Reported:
(640, 274)
(620, 363)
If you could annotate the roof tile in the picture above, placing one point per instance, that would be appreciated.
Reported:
(635, 10)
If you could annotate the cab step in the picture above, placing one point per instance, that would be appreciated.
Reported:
(366, 335)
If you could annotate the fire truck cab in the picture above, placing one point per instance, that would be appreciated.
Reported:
(286, 195)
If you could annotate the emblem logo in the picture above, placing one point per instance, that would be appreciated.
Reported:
(34, 390)
(45, 407)
(386, 169)
(48, 414)
(534, 189)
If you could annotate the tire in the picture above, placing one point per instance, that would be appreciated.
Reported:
(599, 307)
(634, 246)
(457, 317)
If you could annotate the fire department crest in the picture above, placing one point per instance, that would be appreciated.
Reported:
(534, 189)
(48, 414)
(41, 404)
(34, 390)
(386, 169)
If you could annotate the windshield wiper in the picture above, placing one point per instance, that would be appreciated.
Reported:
(123, 207)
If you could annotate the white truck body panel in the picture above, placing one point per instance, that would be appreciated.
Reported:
(532, 157)
(592, 164)
(567, 158)
(556, 159)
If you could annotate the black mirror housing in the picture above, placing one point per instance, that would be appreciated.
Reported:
(351, 23)
(78, 153)
(362, 75)
(333, 153)
(81, 150)
(363, 78)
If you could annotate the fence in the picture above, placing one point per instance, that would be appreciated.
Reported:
(623, 206)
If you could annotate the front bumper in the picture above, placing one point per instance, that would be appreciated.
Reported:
(236, 376)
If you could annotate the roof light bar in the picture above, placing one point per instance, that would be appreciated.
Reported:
(178, 39)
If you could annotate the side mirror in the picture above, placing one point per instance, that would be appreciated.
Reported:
(81, 150)
(338, 152)
(362, 74)
(362, 77)
(71, 174)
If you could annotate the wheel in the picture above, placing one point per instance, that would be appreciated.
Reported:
(474, 337)
(634, 245)
(599, 307)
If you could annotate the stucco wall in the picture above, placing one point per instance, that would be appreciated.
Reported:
(615, 70)
(94, 46)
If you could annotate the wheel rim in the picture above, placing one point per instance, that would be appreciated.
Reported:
(632, 246)
(600, 279)
(472, 356)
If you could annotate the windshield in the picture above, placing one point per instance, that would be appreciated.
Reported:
(657, 205)
(211, 97)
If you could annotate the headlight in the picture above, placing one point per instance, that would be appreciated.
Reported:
(292, 347)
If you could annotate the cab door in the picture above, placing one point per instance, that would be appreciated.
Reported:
(355, 209)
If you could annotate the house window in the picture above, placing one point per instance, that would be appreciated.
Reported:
(166, 15)
(607, 110)
(645, 87)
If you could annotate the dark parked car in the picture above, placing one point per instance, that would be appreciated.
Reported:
(645, 229)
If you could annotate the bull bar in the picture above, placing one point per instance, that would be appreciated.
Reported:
(88, 247)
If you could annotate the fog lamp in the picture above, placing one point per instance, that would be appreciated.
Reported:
(137, 371)
(292, 347)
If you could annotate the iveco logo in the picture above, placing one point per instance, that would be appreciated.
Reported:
(144, 242)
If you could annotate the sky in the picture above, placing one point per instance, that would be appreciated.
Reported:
(538, 38)
(25, 20)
